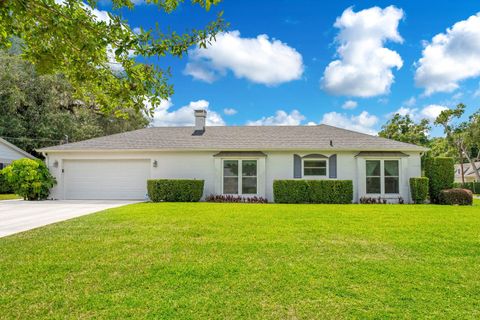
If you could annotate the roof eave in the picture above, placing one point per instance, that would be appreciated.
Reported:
(46, 150)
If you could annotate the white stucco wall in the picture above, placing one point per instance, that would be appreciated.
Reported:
(202, 165)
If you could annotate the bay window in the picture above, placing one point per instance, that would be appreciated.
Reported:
(382, 176)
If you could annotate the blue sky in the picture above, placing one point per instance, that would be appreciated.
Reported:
(345, 63)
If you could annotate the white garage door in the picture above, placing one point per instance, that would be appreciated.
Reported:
(106, 179)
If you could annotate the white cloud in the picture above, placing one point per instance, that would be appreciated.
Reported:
(281, 118)
(477, 92)
(450, 57)
(432, 111)
(200, 71)
(260, 60)
(404, 111)
(364, 122)
(184, 116)
(364, 67)
(229, 111)
(410, 102)
(350, 104)
(457, 96)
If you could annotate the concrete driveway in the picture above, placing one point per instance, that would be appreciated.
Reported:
(18, 215)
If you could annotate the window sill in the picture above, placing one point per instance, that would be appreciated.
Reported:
(315, 177)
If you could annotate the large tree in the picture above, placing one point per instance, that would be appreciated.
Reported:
(441, 147)
(97, 56)
(404, 129)
(40, 110)
(465, 136)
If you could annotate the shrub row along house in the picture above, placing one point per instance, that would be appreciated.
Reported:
(239, 160)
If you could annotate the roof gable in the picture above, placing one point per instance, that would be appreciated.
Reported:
(12, 152)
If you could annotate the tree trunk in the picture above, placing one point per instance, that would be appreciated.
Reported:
(472, 163)
(463, 174)
(477, 174)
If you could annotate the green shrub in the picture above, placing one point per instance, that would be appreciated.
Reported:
(472, 186)
(29, 178)
(313, 191)
(419, 189)
(440, 172)
(330, 191)
(5, 188)
(175, 190)
(290, 191)
(462, 197)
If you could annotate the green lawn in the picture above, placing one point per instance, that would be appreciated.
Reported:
(9, 197)
(217, 261)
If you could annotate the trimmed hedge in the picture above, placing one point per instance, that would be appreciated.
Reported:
(313, 191)
(290, 191)
(175, 190)
(419, 189)
(441, 173)
(462, 197)
(472, 186)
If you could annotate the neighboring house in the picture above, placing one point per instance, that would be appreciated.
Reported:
(241, 160)
(468, 172)
(10, 152)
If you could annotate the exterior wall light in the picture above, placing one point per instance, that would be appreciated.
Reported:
(55, 164)
(155, 163)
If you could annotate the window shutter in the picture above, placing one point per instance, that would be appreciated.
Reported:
(297, 166)
(332, 166)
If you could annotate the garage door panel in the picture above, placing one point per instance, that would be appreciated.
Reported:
(106, 179)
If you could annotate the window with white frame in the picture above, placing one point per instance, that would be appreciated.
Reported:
(374, 176)
(391, 173)
(240, 177)
(315, 167)
(382, 176)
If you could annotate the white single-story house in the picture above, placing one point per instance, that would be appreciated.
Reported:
(10, 152)
(242, 160)
(468, 172)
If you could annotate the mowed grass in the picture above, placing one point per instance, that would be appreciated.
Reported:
(9, 197)
(238, 261)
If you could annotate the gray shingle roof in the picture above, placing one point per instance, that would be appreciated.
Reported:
(236, 138)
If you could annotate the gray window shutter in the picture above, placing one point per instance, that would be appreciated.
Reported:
(332, 166)
(297, 166)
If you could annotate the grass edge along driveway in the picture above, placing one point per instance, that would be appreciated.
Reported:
(204, 260)
(9, 197)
